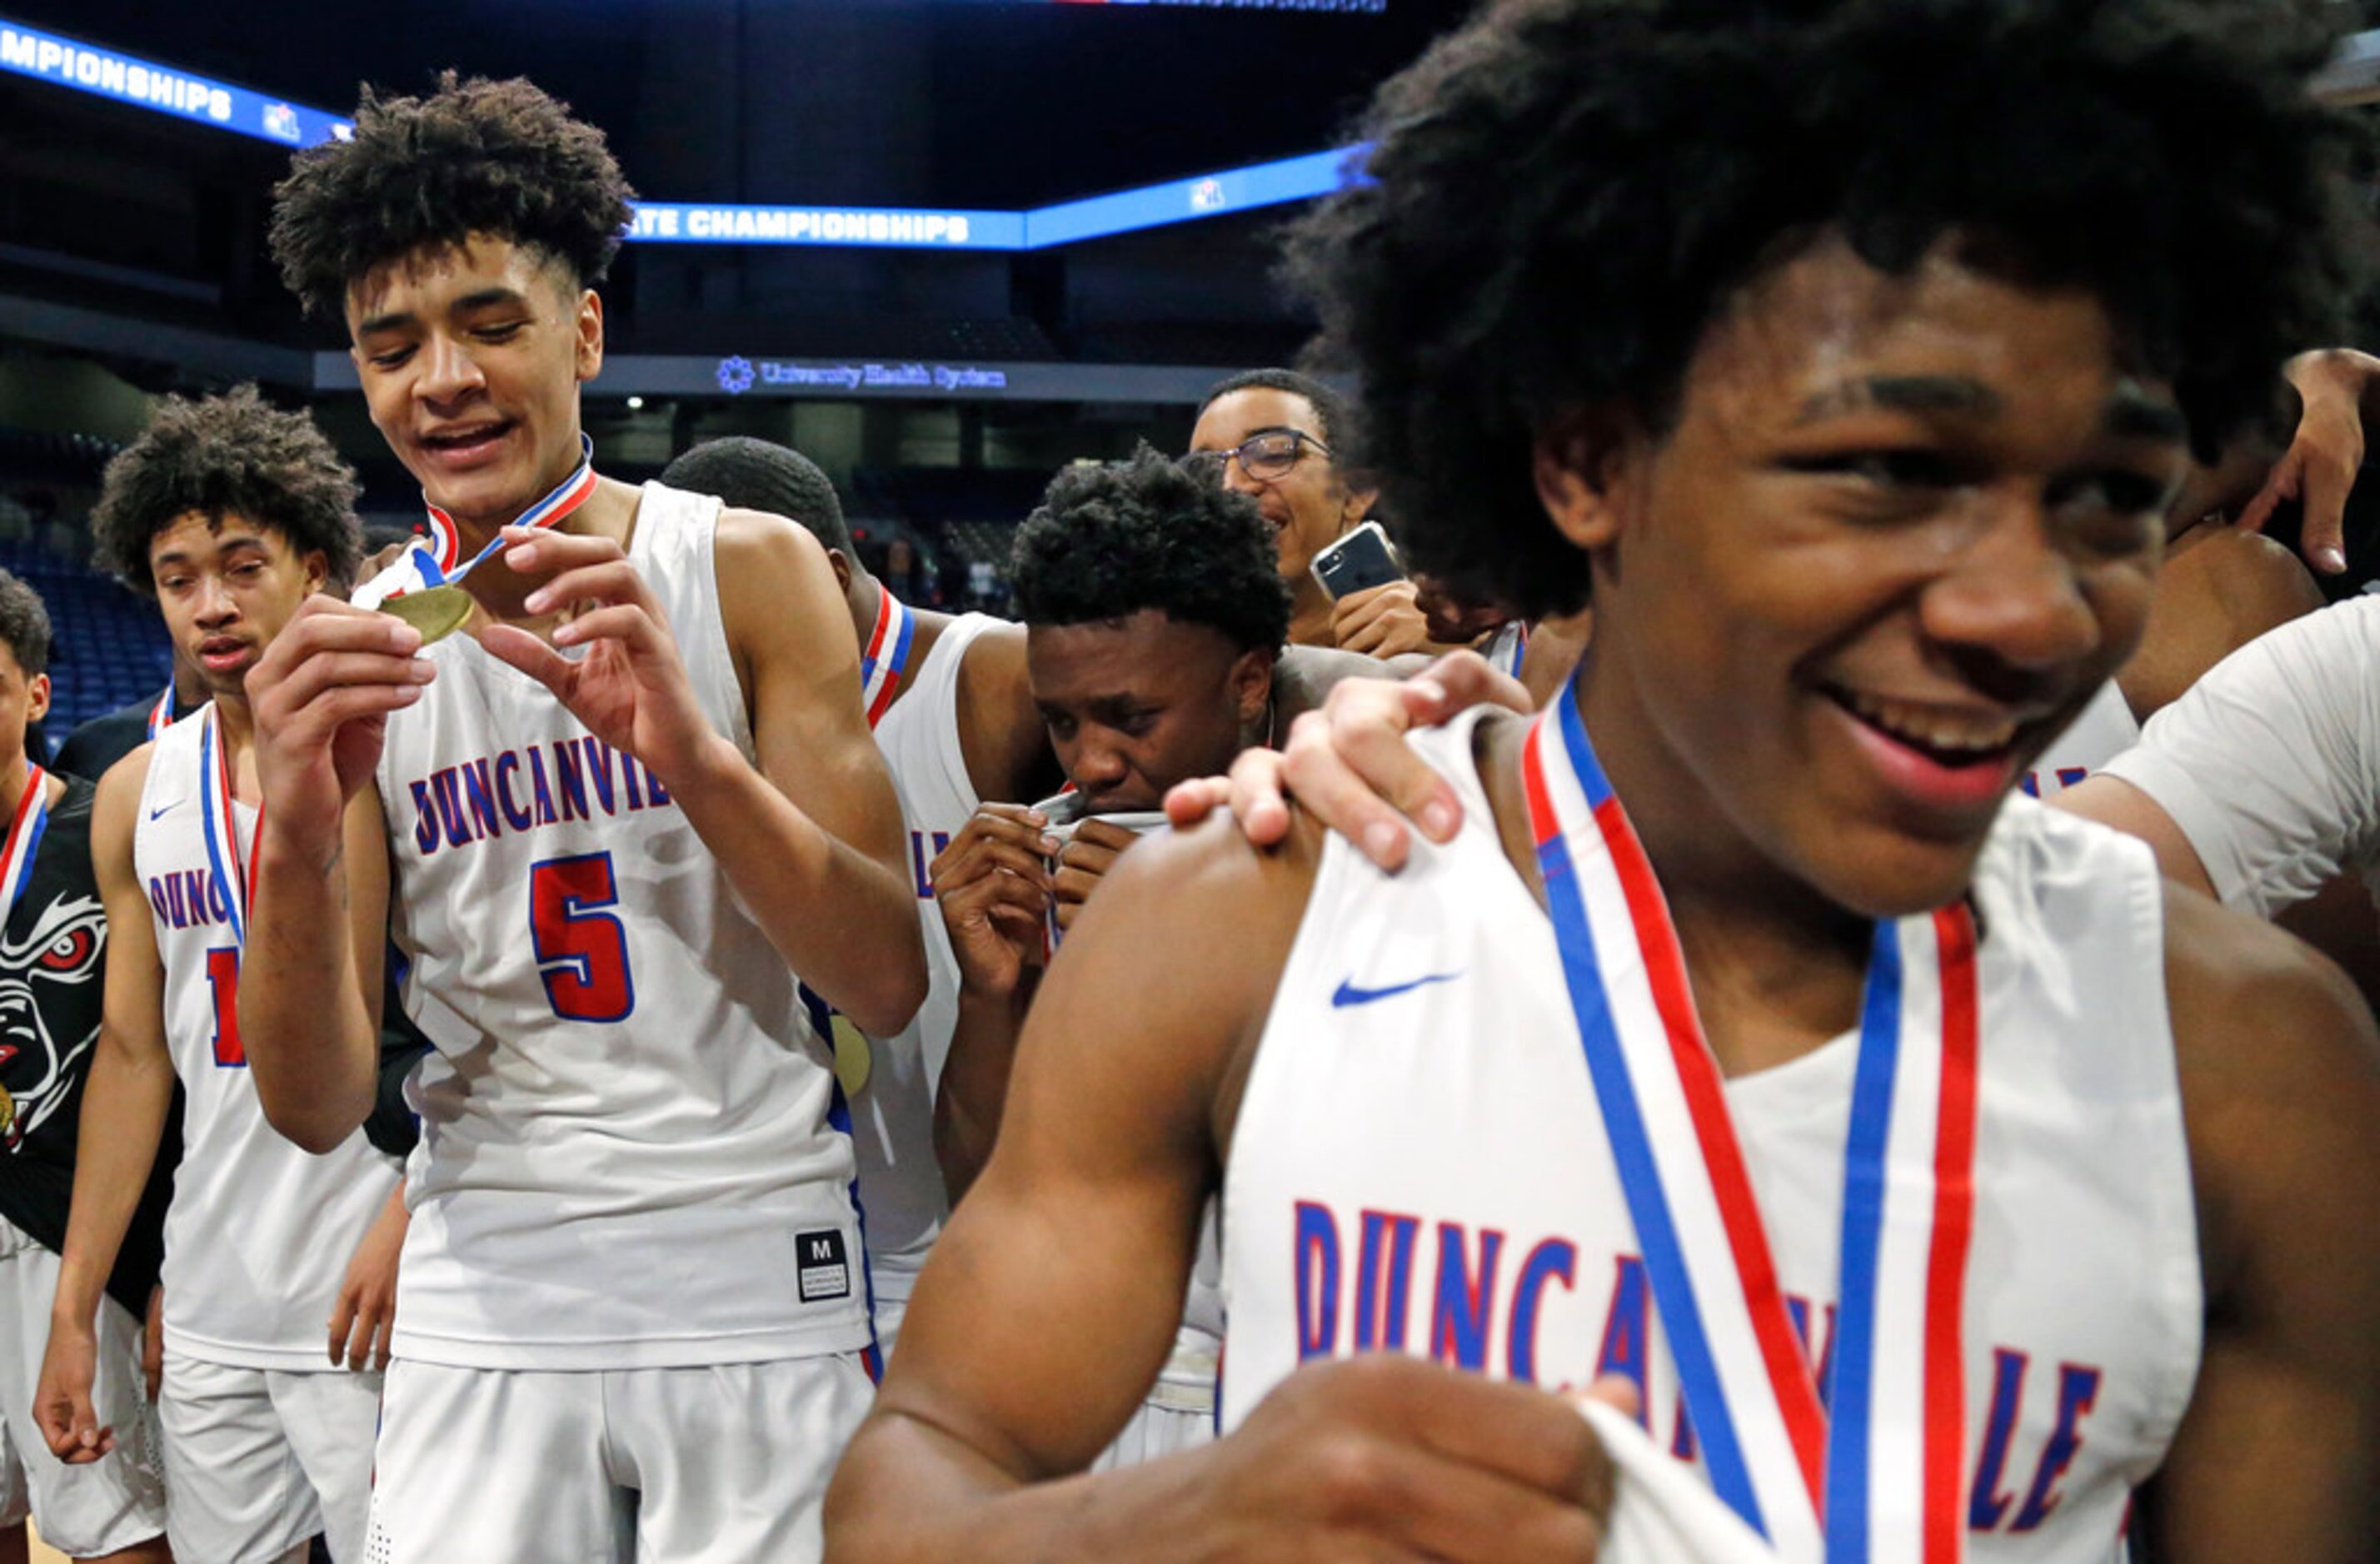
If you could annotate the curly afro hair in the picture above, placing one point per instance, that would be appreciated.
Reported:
(1562, 194)
(1113, 539)
(24, 625)
(475, 157)
(750, 474)
(233, 455)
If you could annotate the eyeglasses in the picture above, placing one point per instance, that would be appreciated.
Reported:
(1267, 455)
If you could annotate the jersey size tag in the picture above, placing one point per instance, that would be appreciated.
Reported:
(821, 1267)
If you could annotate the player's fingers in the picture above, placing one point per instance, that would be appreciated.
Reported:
(384, 1334)
(1256, 792)
(985, 826)
(2323, 536)
(341, 670)
(536, 548)
(985, 858)
(613, 582)
(333, 709)
(1415, 1498)
(1455, 684)
(1526, 1435)
(1188, 802)
(511, 644)
(2280, 484)
(342, 1321)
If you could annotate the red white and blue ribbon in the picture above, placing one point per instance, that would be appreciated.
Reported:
(1873, 1473)
(161, 716)
(25, 829)
(885, 655)
(234, 875)
(1510, 648)
(435, 559)
(571, 493)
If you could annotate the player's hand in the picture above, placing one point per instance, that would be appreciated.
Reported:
(153, 1343)
(62, 1406)
(631, 688)
(1383, 621)
(1082, 864)
(2325, 455)
(1350, 766)
(321, 695)
(366, 1312)
(992, 884)
(1391, 1457)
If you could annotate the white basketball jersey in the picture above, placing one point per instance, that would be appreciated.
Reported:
(2099, 732)
(259, 1233)
(627, 1160)
(892, 1113)
(1420, 1165)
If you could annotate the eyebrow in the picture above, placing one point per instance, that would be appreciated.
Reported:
(1906, 393)
(481, 300)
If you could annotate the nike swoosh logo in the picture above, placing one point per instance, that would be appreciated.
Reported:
(1347, 994)
(165, 808)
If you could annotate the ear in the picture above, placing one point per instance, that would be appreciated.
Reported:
(1583, 463)
(842, 568)
(1356, 508)
(590, 335)
(1251, 686)
(37, 698)
(318, 571)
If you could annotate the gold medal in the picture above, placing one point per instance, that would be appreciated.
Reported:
(854, 1060)
(436, 611)
(8, 1112)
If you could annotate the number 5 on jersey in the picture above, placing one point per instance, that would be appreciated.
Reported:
(223, 984)
(582, 948)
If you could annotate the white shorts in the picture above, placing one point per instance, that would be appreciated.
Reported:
(259, 1459)
(518, 1466)
(117, 1501)
(1179, 1414)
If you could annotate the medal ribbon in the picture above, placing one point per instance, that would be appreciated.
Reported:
(221, 825)
(161, 716)
(573, 493)
(1875, 1474)
(886, 654)
(33, 817)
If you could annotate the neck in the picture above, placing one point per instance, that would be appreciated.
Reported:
(233, 721)
(1777, 968)
(13, 774)
(1309, 615)
(863, 597)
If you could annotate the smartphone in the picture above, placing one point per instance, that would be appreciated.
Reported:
(1356, 563)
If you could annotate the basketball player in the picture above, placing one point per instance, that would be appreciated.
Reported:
(623, 807)
(1866, 470)
(953, 703)
(53, 937)
(229, 514)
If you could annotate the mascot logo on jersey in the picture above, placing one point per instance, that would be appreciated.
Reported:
(61, 950)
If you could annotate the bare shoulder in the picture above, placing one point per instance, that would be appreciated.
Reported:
(761, 541)
(2280, 1067)
(2220, 588)
(1304, 676)
(117, 798)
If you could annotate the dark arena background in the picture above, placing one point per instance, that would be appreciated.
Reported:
(941, 247)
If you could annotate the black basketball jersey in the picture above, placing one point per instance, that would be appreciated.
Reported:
(53, 963)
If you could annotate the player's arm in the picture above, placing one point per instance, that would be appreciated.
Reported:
(321, 695)
(2278, 1456)
(2217, 590)
(819, 853)
(1001, 732)
(309, 993)
(126, 1098)
(1052, 1297)
(811, 837)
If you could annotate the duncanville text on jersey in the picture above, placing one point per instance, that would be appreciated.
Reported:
(519, 790)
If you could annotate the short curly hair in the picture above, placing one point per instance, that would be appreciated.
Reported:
(24, 625)
(474, 157)
(1562, 194)
(751, 474)
(233, 455)
(1113, 538)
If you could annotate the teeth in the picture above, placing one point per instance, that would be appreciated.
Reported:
(1933, 728)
